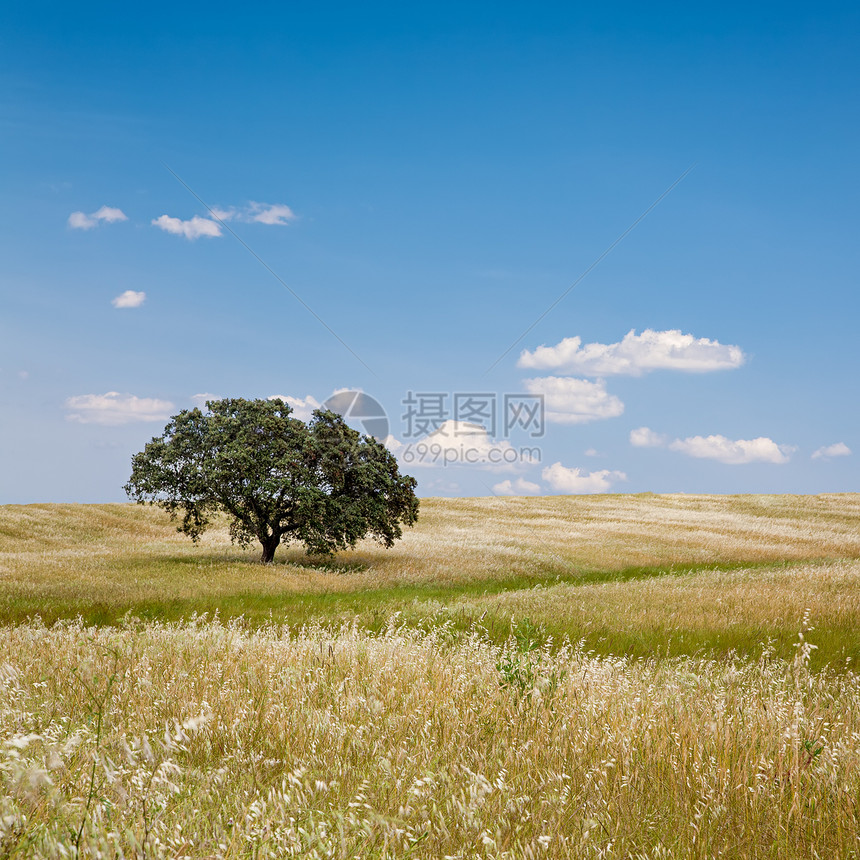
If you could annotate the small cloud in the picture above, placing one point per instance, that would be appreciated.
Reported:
(200, 400)
(277, 214)
(520, 487)
(575, 401)
(733, 451)
(837, 449)
(223, 214)
(129, 299)
(592, 452)
(644, 437)
(82, 221)
(393, 445)
(23, 374)
(113, 408)
(715, 447)
(110, 214)
(566, 480)
(635, 355)
(273, 214)
(191, 229)
(302, 408)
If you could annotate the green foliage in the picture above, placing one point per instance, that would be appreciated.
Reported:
(278, 479)
(521, 662)
(528, 637)
(517, 672)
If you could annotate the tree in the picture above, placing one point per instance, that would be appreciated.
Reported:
(277, 478)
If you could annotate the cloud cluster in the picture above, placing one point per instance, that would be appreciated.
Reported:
(837, 449)
(191, 229)
(273, 214)
(565, 480)
(568, 400)
(129, 299)
(715, 447)
(113, 409)
(635, 355)
(733, 451)
(645, 437)
(108, 214)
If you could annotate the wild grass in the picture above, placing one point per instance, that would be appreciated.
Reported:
(221, 741)
(626, 575)
(606, 677)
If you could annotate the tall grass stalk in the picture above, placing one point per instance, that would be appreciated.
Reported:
(215, 740)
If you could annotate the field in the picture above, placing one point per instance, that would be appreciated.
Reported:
(616, 676)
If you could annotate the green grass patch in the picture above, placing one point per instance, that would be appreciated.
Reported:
(424, 605)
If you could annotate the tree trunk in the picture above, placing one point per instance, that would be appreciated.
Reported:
(269, 547)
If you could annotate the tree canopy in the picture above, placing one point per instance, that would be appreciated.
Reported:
(277, 478)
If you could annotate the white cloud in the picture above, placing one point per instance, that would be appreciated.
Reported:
(82, 221)
(129, 299)
(278, 214)
(393, 445)
(733, 451)
(635, 355)
(273, 214)
(199, 400)
(644, 437)
(302, 408)
(592, 452)
(837, 449)
(519, 487)
(114, 408)
(575, 401)
(715, 447)
(223, 214)
(194, 228)
(467, 444)
(110, 214)
(576, 481)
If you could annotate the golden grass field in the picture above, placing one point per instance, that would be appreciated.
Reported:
(607, 677)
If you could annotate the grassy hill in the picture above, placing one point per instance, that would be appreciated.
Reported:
(635, 575)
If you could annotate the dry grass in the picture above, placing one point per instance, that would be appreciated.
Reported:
(431, 706)
(743, 569)
(217, 741)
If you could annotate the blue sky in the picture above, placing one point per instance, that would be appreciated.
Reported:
(429, 179)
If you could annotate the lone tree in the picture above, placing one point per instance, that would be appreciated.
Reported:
(276, 477)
